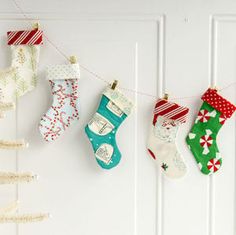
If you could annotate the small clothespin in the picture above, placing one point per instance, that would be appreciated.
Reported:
(166, 96)
(73, 59)
(114, 84)
(36, 25)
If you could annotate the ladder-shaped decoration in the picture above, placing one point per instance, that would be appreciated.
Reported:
(10, 214)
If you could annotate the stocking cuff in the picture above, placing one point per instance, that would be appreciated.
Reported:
(63, 71)
(170, 110)
(219, 103)
(119, 99)
(25, 37)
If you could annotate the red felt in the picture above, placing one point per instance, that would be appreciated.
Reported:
(24, 37)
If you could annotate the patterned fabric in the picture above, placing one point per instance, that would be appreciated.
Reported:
(64, 109)
(202, 137)
(6, 89)
(161, 144)
(219, 103)
(64, 71)
(102, 128)
(119, 100)
(170, 110)
(24, 37)
(21, 77)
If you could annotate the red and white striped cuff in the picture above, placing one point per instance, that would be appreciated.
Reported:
(170, 110)
(25, 37)
(218, 102)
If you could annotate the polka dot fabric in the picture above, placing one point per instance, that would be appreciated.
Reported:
(219, 103)
(63, 71)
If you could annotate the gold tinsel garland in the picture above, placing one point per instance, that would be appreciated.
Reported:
(24, 218)
(6, 215)
(6, 106)
(13, 144)
(13, 178)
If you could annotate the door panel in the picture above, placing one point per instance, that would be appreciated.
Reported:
(149, 46)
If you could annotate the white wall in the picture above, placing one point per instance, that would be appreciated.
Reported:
(153, 46)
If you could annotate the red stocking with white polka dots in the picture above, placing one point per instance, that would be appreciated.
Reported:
(201, 140)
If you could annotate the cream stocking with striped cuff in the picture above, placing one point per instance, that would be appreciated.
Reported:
(161, 144)
(21, 77)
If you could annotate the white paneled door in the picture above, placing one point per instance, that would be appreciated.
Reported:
(180, 47)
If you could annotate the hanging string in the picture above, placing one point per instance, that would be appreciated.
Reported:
(57, 48)
(95, 75)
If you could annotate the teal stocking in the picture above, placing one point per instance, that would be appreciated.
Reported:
(101, 130)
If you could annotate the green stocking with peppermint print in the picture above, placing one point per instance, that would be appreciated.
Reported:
(213, 113)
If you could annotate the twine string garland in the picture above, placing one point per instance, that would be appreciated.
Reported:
(95, 75)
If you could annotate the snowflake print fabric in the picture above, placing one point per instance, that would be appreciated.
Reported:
(64, 111)
(213, 113)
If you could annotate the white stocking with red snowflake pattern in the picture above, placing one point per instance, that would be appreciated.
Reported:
(64, 109)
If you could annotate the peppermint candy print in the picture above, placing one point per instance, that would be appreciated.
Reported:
(222, 119)
(203, 116)
(206, 141)
(64, 110)
(213, 165)
(203, 134)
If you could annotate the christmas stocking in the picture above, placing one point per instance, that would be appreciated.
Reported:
(213, 113)
(21, 77)
(101, 130)
(161, 144)
(63, 112)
